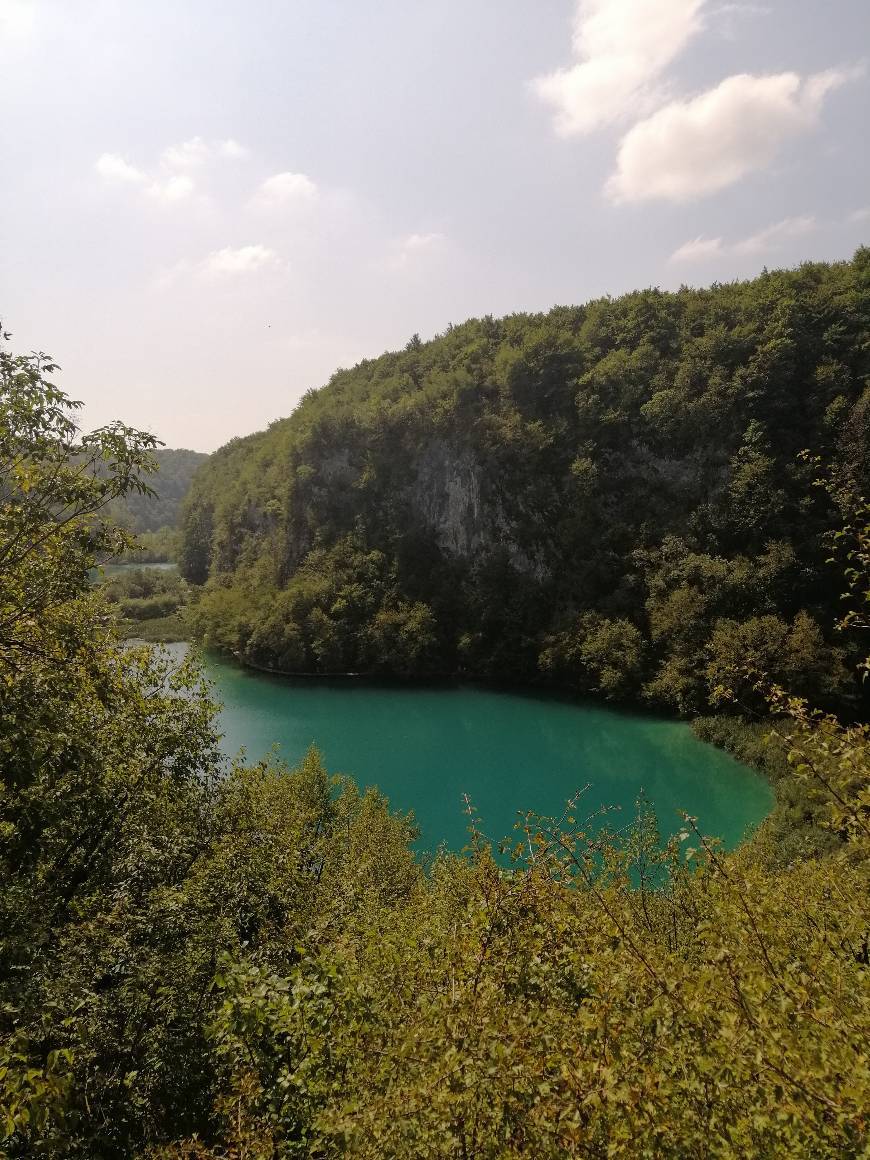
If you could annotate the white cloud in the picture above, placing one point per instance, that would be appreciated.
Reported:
(727, 18)
(197, 151)
(113, 167)
(187, 154)
(286, 188)
(224, 263)
(698, 250)
(696, 147)
(171, 275)
(178, 187)
(416, 242)
(171, 180)
(770, 238)
(622, 47)
(413, 247)
(17, 17)
(232, 150)
(773, 236)
(240, 260)
(741, 10)
(860, 215)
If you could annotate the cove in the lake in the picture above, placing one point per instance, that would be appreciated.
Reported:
(426, 747)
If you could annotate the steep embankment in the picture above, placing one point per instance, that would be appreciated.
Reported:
(610, 496)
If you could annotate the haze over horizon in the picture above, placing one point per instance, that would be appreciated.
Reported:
(206, 209)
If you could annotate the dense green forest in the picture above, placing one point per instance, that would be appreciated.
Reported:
(159, 507)
(202, 963)
(610, 497)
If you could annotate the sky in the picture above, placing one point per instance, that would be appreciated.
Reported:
(208, 206)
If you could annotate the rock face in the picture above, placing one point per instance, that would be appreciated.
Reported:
(446, 496)
(337, 468)
(454, 496)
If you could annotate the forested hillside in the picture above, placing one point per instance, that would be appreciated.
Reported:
(611, 497)
(171, 483)
(208, 963)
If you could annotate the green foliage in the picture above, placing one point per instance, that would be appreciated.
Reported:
(597, 655)
(141, 593)
(248, 963)
(131, 861)
(565, 1009)
(158, 547)
(149, 603)
(154, 516)
(793, 655)
(631, 464)
(101, 754)
(341, 612)
(797, 828)
(273, 1039)
(33, 1099)
(169, 629)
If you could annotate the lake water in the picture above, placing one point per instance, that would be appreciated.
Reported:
(114, 569)
(426, 747)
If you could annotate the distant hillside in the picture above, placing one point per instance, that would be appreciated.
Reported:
(608, 496)
(141, 513)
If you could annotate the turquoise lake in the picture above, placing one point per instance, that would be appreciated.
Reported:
(426, 747)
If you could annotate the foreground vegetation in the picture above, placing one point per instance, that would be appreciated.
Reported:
(608, 497)
(149, 604)
(202, 963)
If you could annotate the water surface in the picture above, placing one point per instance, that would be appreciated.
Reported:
(426, 747)
(134, 566)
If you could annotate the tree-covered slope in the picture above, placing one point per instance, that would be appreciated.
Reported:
(170, 484)
(611, 496)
